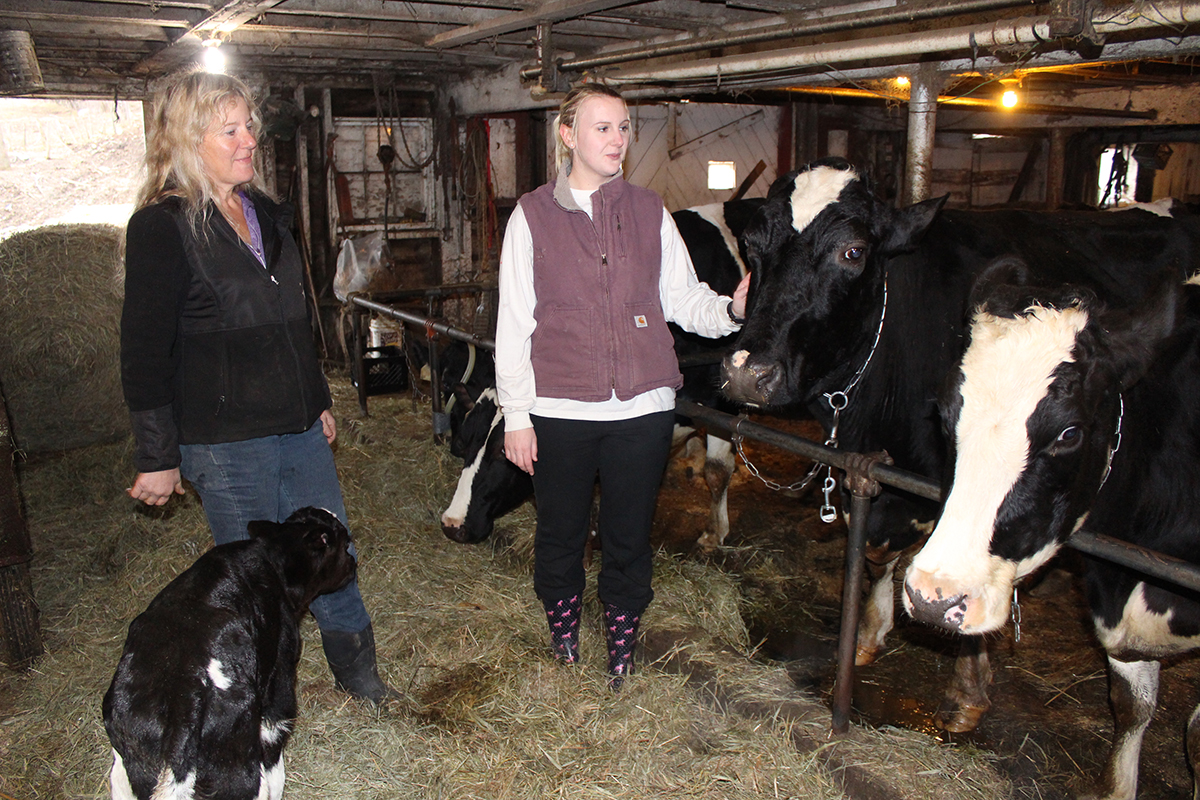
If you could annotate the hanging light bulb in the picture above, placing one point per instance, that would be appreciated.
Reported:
(1009, 98)
(214, 59)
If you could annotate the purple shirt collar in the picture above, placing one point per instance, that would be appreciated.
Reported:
(256, 239)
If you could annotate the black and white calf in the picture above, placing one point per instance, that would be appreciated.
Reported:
(1065, 414)
(204, 696)
(490, 486)
(859, 304)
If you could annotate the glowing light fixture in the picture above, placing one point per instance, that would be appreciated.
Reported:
(722, 175)
(214, 59)
(1009, 98)
(902, 81)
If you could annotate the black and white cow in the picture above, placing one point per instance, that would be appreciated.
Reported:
(490, 486)
(862, 306)
(1065, 413)
(204, 696)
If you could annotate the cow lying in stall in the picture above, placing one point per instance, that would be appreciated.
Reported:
(861, 307)
(1064, 414)
(204, 697)
(490, 487)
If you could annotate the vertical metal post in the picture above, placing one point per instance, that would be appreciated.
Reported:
(856, 543)
(441, 424)
(862, 488)
(922, 122)
(359, 367)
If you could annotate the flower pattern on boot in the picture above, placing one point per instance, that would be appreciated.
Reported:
(563, 619)
(620, 629)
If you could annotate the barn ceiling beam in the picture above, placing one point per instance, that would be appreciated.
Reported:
(183, 48)
(551, 11)
(773, 33)
(116, 13)
(1000, 35)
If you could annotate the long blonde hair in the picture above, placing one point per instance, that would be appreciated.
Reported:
(568, 109)
(183, 111)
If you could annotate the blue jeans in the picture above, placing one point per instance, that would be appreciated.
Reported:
(269, 478)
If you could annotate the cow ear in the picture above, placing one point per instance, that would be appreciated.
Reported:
(1136, 337)
(464, 397)
(908, 225)
(766, 232)
(260, 528)
(1003, 272)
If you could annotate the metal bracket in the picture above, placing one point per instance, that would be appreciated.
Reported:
(550, 80)
(858, 480)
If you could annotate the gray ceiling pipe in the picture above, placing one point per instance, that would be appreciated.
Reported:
(1007, 33)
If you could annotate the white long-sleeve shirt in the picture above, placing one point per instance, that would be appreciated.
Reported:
(685, 301)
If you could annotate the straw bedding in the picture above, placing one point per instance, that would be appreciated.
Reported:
(60, 309)
(485, 712)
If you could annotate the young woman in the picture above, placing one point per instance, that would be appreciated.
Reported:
(217, 356)
(591, 270)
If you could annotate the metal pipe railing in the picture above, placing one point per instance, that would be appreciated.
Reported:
(1154, 564)
(1148, 562)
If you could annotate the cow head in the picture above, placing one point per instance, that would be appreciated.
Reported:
(817, 252)
(1033, 413)
(490, 485)
(311, 550)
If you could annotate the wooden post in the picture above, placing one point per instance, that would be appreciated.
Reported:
(20, 632)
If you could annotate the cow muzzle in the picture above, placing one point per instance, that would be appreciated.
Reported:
(745, 381)
(947, 613)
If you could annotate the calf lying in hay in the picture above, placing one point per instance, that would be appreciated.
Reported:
(204, 697)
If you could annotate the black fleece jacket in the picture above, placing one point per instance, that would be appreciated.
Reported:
(214, 347)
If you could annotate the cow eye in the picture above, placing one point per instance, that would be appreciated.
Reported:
(1068, 439)
(853, 254)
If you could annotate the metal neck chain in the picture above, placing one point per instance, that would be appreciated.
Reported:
(1112, 451)
(837, 402)
(1016, 605)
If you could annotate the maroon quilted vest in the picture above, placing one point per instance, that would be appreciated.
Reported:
(600, 324)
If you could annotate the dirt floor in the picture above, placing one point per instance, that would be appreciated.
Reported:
(1050, 723)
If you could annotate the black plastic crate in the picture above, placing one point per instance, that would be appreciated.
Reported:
(386, 370)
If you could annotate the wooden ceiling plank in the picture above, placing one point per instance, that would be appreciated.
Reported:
(551, 11)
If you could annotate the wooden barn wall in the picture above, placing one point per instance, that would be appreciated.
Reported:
(982, 172)
(1181, 176)
(673, 143)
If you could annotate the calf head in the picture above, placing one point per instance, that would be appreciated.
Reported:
(490, 485)
(311, 550)
(817, 253)
(1033, 413)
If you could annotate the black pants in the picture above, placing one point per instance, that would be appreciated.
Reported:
(629, 456)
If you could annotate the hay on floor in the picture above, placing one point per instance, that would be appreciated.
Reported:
(485, 712)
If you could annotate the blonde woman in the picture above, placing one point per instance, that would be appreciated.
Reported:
(218, 363)
(591, 270)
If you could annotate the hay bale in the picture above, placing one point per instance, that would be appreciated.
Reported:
(61, 288)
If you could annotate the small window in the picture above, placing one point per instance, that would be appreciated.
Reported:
(722, 175)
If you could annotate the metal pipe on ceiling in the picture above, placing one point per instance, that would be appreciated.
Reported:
(975, 102)
(1002, 34)
(891, 16)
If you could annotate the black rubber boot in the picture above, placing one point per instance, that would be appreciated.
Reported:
(563, 619)
(351, 656)
(620, 630)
